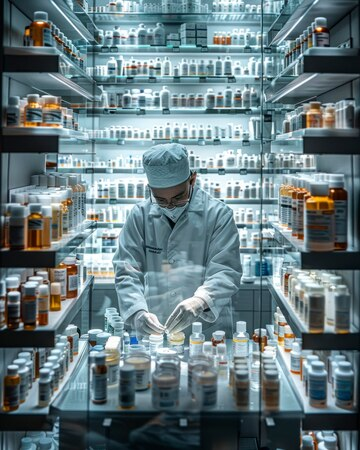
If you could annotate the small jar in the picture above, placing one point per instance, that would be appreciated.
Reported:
(102, 338)
(242, 388)
(196, 362)
(170, 362)
(156, 341)
(142, 363)
(176, 342)
(165, 390)
(92, 336)
(205, 387)
(271, 389)
(218, 337)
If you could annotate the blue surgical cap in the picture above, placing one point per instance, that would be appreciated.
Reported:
(166, 165)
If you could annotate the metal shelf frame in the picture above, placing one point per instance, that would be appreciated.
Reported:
(331, 418)
(316, 141)
(44, 336)
(328, 340)
(336, 260)
(48, 257)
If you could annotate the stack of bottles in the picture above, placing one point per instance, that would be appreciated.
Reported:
(320, 299)
(163, 67)
(320, 440)
(315, 210)
(231, 6)
(53, 206)
(234, 189)
(118, 189)
(49, 440)
(48, 366)
(100, 269)
(36, 111)
(135, 36)
(316, 35)
(335, 375)
(240, 37)
(127, 367)
(235, 159)
(28, 297)
(165, 6)
(44, 33)
(341, 115)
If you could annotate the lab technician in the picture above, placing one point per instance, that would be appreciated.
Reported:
(178, 258)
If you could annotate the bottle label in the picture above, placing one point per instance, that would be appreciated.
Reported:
(13, 311)
(36, 224)
(344, 391)
(288, 341)
(72, 282)
(99, 385)
(281, 331)
(12, 119)
(66, 222)
(42, 357)
(195, 347)
(208, 394)
(47, 37)
(17, 234)
(142, 378)
(321, 39)
(314, 121)
(165, 397)
(113, 373)
(29, 311)
(300, 216)
(44, 393)
(59, 275)
(319, 226)
(295, 363)
(316, 319)
(127, 392)
(43, 305)
(12, 395)
(240, 347)
(342, 320)
(24, 385)
(340, 221)
(52, 116)
(317, 389)
(33, 115)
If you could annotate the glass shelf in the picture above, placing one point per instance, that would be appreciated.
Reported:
(226, 18)
(294, 20)
(136, 143)
(59, 75)
(29, 416)
(48, 257)
(318, 141)
(329, 340)
(329, 418)
(217, 171)
(75, 399)
(39, 139)
(44, 336)
(228, 201)
(110, 225)
(166, 112)
(322, 69)
(169, 80)
(336, 260)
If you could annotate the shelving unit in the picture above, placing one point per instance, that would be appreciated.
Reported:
(318, 141)
(174, 80)
(39, 139)
(48, 257)
(60, 75)
(331, 418)
(44, 336)
(329, 340)
(29, 416)
(321, 70)
(336, 260)
(229, 201)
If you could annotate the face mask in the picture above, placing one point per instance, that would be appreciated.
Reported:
(174, 213)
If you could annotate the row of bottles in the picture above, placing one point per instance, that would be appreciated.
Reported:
(222, 66)
(315, 209)
(320, 440)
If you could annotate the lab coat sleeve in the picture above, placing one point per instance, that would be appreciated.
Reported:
(222, 271)
(129, 266)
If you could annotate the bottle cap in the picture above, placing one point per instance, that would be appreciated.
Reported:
(317, 366)
(44, 274)
(43, 290)
(13, 297)
(33, 98)
(241, 327)
(55, 289)
(20, 362)
(45, 443)
(35, 208)
(56, 352)
(127, 372)
(100, 358)
(49, 99)
(320, 22)
(71, 330)
(197, 327)
(344, 366)
(296, 347)
(155, 338)
(26, 443)
(330, 442)
(40, 16)
(319, 189)
(307, 442)
(271, 374)
(221, 349)
(101, 338)
(336, 280)
(44, 373)
(281, 318)
(242, 375)
(19, 211)
(30, 289)
(336, 181)
(12, 369)
(219, 335)
(14, 101)
(12, 282)
(69, 260)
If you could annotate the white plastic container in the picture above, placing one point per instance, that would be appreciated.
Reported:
(295, 357)
(165, 98)
(156, 342)
(241, 340)
(318, 385)
(344, 385)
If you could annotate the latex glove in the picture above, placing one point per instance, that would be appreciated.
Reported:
(147, 323)
(185, 314)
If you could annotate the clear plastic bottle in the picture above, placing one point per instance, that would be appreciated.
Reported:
(222, 362)
(165, 98)
(166, 67)
(142, 35)
(210, 99)
(159, 35)
(241, 340)
(255, 371)
(295, 359)
(196, 339)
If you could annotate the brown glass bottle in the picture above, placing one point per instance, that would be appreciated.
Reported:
(11, 397)
(35, 227)
(339, 195)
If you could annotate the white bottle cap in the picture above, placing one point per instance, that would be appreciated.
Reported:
(43, 290)
(35, 208)
(49, 99)
(320, 22)
(319, 189)
(55, 289)
(20, 362)
(330, 442)
(12, 369)
(70, 330)
(33, 98)
(14, 100)
(197, 327)
(69, 260)
(240, 326)
(307, 442)
(336, 181)
(296, 347)
(41, 15)
(317, 366)
(344, 366)
(46, 211)
(221, 349)
(44, 373)
(19, 212)
(12, 282)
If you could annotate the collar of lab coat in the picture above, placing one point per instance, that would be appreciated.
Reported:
(197, 203)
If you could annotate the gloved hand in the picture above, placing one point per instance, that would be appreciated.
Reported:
(147, 323)
(185, 314)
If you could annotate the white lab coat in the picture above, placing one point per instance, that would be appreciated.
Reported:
(150, 268)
